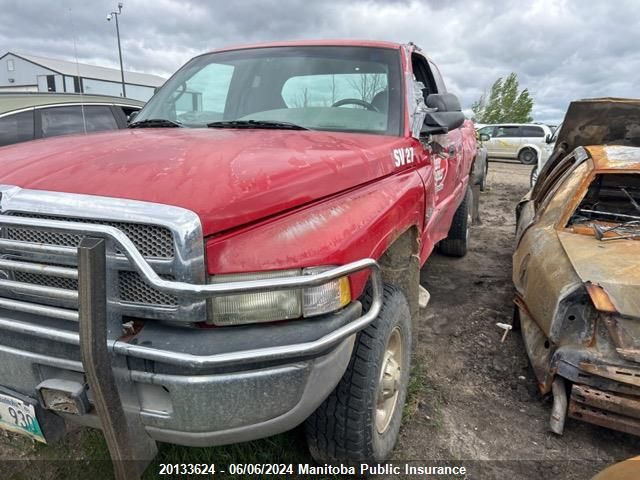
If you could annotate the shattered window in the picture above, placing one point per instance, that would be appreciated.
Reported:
(611, 206)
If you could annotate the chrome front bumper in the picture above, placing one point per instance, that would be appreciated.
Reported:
(182, 391)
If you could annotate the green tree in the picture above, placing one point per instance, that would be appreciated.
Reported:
(504, 103)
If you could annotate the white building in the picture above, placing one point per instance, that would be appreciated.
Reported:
(28, 73)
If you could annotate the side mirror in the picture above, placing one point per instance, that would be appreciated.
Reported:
(549, 138)
(485, 137)
(448, 115)
(132, 115)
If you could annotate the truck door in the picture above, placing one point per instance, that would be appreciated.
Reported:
(444, 151)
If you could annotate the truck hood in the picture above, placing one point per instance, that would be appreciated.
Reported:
(613, 265)
(227, 177)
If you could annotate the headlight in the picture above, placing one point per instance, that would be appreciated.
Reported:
(278, 304)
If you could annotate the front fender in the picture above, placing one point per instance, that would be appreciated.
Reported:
(359, 224)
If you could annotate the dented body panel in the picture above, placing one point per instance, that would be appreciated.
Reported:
(577, 273)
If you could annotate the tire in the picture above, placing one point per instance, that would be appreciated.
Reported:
(457, 241)
(346, 427)
(528, 156)
(534, 176)
(483, 182)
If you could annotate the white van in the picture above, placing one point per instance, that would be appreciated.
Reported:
(526, 142)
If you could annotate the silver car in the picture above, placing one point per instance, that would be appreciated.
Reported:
(526, 142)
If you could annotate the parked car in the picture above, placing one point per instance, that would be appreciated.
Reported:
(265, 240)
(575, 267)
(526, 142)
(29, 116)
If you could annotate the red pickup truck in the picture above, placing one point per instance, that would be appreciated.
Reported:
(243, 258)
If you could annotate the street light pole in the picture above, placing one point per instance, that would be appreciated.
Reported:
(109, 17)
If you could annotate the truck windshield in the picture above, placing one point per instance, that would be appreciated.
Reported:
(354, 89)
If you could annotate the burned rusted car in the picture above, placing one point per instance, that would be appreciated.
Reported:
(576, 268)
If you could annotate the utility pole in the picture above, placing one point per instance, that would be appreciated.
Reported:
(109, 17)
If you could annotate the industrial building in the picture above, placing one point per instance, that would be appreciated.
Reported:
(29, 73)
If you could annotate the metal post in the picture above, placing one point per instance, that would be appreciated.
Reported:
(124, 89)
(109, 17)
(130, 447)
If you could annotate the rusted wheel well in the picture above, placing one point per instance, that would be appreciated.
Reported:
(400, 265)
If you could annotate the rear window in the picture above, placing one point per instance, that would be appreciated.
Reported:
(531, 131)
(611, 198)
(16, 128)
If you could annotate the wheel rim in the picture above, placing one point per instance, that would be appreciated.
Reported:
(528, 157)
(389, 381)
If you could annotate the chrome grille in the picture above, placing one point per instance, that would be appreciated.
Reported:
(46, 280)
(170, 239)
(151, 240)
(134, 290)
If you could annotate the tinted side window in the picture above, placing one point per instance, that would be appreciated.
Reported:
(506, 132)
(531, 131)
(16, 128)
(63, 120)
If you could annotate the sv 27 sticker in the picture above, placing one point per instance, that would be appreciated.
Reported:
(402, 156)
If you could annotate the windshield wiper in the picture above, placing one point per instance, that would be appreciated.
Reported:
(256, 124)
(155, 123)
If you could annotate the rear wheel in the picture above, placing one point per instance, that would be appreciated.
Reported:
(528, 156)
(457, 241)
(360, 420)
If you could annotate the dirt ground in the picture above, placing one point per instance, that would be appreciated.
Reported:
(473, 400)
(478, 402)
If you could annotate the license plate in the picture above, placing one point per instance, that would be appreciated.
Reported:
(20, 417)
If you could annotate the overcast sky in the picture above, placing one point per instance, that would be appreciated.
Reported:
(560, 50)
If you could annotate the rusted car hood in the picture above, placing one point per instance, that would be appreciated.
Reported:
(600, 121)
(612, 264)
(228, 177)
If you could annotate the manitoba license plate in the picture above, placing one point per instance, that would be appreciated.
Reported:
(20, 417)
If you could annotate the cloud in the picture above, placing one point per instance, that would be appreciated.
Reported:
(561, 50)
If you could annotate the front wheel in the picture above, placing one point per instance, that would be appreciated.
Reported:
(528, 156)
(360, 420)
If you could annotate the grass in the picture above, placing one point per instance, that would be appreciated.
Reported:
(84, 454)
(421, 391)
